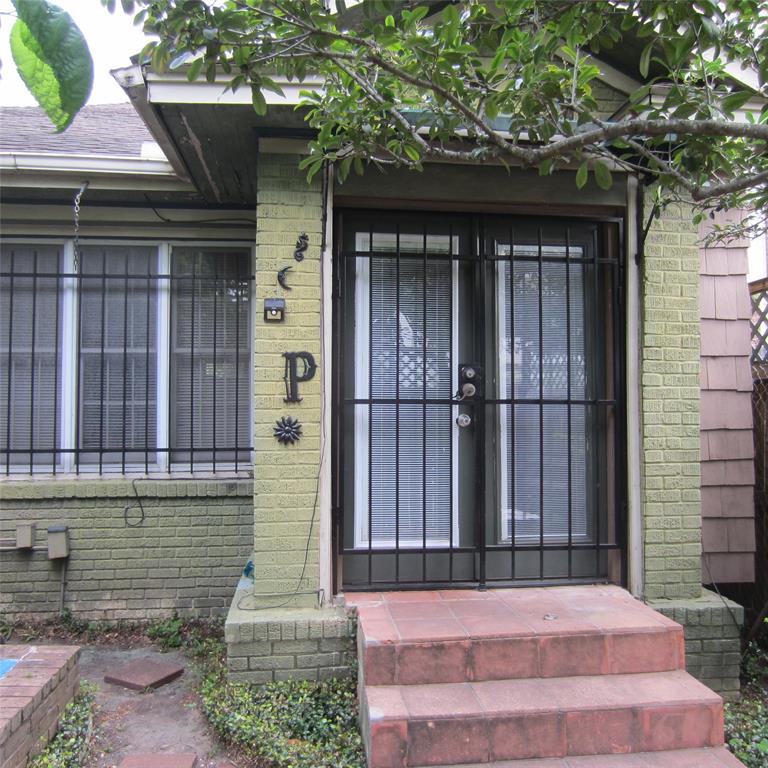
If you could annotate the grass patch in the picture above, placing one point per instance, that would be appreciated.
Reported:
(292, 724)
(746, 722)
(69, 747)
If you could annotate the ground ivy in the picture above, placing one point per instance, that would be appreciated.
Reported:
(291, 724)
(69, 747)
(746, 722)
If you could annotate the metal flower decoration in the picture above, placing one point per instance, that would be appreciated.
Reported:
(287, 430)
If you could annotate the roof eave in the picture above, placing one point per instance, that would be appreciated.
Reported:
(131, 80)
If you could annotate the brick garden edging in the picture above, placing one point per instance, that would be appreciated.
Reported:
(32, 697)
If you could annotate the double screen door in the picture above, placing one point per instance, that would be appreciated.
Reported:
(478, 404)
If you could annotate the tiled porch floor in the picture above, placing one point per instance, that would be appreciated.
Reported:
(427, 616)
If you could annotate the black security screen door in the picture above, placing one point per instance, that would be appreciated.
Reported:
(478, 400)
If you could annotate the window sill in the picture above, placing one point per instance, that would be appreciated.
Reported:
(119, 486)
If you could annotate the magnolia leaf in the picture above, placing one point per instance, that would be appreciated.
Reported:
(259, 102)
(645, 59)
(194, 69)
(582, 174)
(734, 101)
(412, 152)
(52, 59)
(603, 176)
(545, 169)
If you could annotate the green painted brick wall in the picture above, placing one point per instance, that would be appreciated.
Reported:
(286, 477)
(670, 407)
(185, 556)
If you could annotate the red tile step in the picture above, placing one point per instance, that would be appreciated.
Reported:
(412, 638)
(144, 673)
(718, 757)
(184, 760)
(481, 722)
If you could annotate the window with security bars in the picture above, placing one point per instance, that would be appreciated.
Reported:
(137, 360)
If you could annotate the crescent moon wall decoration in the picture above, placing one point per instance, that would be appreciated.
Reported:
(282, 276)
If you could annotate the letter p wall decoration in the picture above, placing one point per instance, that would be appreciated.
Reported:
(292, 376)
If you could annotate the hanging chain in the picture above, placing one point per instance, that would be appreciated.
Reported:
(76, 209)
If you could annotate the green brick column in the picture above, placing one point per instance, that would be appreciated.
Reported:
(286, 476)
(670, 407)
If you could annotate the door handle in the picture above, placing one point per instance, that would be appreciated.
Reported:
(464, 420)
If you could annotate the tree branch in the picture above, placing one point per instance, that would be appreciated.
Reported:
(703, 193)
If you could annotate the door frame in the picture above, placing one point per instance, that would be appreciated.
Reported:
(618, 574)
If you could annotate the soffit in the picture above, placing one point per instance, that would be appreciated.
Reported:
(218, 145)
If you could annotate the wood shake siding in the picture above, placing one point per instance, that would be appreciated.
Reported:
(727, 448)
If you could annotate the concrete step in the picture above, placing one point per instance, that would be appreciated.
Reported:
(464, 636)
(717, 757)
(478, 722)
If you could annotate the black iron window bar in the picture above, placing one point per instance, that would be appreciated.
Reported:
(45, 454)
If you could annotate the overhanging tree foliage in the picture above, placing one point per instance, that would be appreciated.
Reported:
(509, 81)
(52, 59)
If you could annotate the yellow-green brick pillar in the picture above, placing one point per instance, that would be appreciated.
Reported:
(670, 407)
(670, 397)
(286, 475)
(278, 628)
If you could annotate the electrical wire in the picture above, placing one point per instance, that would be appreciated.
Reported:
(725, 602)
(323, 444)
(217, 220)
(128, 508)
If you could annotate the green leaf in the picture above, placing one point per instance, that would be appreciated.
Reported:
(52, 59)
(603, 176)
(734, 101)
(545, 169)
(259, 102)
(194, 69)
(684, 111)
(582, 174)
(645, 59)
(451, 15)
(389, 21)
(412, 152)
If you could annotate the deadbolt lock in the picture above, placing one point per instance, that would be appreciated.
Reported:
(470, 381)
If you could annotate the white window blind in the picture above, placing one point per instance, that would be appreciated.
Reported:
(210, 353)
(29, 370)
(118, 357)
(549, 365)
(409, 472)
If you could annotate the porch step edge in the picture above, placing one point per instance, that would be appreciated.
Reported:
(455, 723)
(475, 659)
(707, 757)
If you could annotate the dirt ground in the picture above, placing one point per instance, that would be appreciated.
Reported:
(167, 720)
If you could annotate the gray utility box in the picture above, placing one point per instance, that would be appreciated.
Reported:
(25, 535)
(58, 543)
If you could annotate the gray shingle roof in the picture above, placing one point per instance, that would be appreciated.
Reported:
(101, 129)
